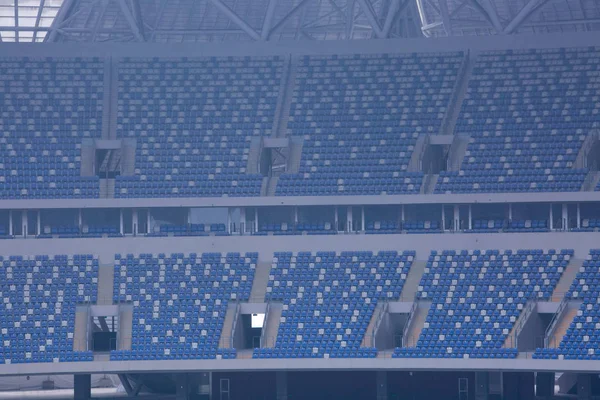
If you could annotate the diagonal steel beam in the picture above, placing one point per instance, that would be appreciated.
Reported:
(137, 14)
(527, 11)
(395, 9)
(62, 14)
(485, 8)
(367, 9)
(266, 28)
(236, 19)
(445, 16)
(131, 20)
(288, 16)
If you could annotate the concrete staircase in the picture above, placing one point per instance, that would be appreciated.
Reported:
(80, 336)
(107, 99)
(414, 165)
(113, 80)
(411, 285)
(458, 94)
(368, 339)
(106, 278)
(107, 188)
(226, 340)
(271, 326)
(429, 182)
(252, 164)
(567, 277)
(591, 181)
(295, 154)
(413, 330)
(88, 155)
(260, 282)
(272, 185)
(286, 94)
(125, 326)
(561, 327)
(128, 147)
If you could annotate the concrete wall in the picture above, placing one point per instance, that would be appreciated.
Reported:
(266, 245)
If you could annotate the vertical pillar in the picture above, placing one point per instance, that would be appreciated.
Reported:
(256, 219)
(335, 218)
(362, 220)
(578, 215)
(80, 219)
(565, 217)
(121, 221)
(24, 222)
(242, 220)
(551, 224)
(10, 222)
(443, 224)
(39, 222)
(135, 222)
(229, 230)
(182, 387)
(147, 221)
(382, 385)
(281, 385)
(470, 217)
(510, 213)
(584, 386)
(544, 385)
(456, 218)
(295, 216)
(350, 227)
(83, 387)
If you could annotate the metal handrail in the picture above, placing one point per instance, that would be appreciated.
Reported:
(552, 326)
(411, 315)
(238, 308)
(378, 321)
(264, 326)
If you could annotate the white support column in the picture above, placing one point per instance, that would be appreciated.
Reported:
(148, 221)
(578, 215)
(135, 222)
(295, 216)
(456, 218)
(24, 231)
(350, 226)
(121, 230)
(470, 217)
(80, 219)
(39, 222)
(551, 224)
(255, 219)
(242, 220)
(10, 222)
(402, 217)
(443, 218)
(335, 217)
(362, 211)
(510, 215)
(229, 221)
(565, 217)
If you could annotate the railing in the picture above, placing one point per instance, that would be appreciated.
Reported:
(557, 316)
(238, 307)
(460, 80)
(264, 326)
(411, 315)
(522, 321)
(378, 321)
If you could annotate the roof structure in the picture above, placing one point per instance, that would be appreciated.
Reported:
(274, 20)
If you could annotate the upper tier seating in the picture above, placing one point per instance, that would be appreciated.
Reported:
(180, 301)
(193, 120)
(361, 115)
(582, 338)
(477, 295)
(527, 113)
(47, 105)
(37, 315)
(328, 300)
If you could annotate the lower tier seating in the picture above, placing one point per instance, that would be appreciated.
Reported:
(582, 339)
(180, 301)
(328, 300)
(37, 314)
(476, 297)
